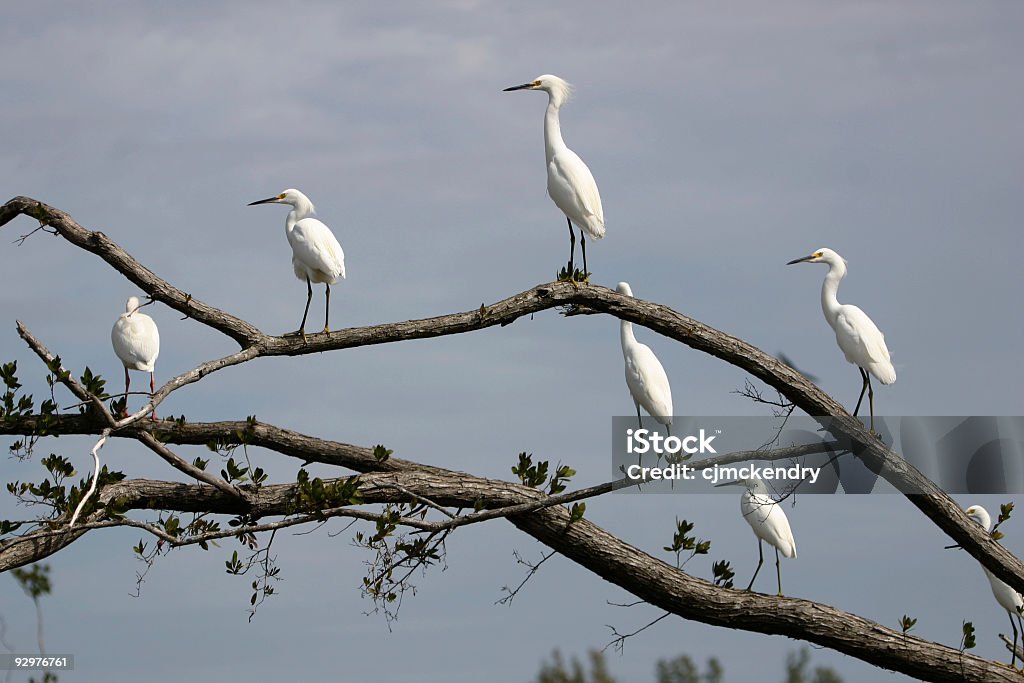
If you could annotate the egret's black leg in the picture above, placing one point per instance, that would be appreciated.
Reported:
(760, 561)
(871, 402)
(327, 314)
(778, 571)
(309, 297)
(583, 246)
(1020, 632)
(572, 247)
(639, 422)
(127, 383)
(1013, 655)
(152, 390)
(864, 386)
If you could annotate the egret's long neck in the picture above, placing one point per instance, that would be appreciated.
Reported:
(829, 288)
(552, 129)
(626, 335)
(302, 208)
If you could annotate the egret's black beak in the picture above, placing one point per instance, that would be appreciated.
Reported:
(524, 86)
(800, 260)
(149, 301)
(263, 201)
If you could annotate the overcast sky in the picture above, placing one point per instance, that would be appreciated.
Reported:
(726, 138)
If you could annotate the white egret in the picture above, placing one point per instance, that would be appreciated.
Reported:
(571, 185)
(137, 344)
(768, 520)
(645, 376)
(316, 254)
(1009, 599)
(858, 337)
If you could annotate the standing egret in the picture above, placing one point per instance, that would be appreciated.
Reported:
(1009, 599)
(316, 254)
(571, 185)
(857, 336)
(137, 343)
(645, 376)
(768, 520)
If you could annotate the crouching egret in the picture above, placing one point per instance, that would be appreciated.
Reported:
(571, 185)
(645, 376)
(857, 335)
(1009, 599)
(137, 344)
(316, 254)
(768, 520)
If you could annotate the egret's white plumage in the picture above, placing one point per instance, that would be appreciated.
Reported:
(571, 185)
(768, 520)
(136, 342)
(858, 337)
(316, 254)
(645, 376)
(1009, 599)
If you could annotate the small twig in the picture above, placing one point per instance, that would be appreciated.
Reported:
(619, 642)
(425, 501)
(42, 226)
(533, 567)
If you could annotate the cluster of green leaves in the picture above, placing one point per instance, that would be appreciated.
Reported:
(906, 623)
(315, 495)
(682, 542)
(722, 573)
(967, 639)
(94, 384)
(15, 406)
(1005, 510)
(381, 453)
(234, 472)
(535, 475)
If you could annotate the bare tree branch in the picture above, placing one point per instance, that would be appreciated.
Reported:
(399, 481)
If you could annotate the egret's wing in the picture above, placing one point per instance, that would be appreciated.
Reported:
(769, 522)
(316, 247)
(859, 337)
(648, 382)
(574, 190)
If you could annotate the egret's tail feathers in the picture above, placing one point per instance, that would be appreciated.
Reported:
(885, 372)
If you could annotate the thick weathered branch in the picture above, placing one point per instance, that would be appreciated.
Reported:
(121, 261)
(645, 576)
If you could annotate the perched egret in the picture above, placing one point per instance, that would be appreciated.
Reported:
(1009, 599)
(857, 336)
(137, 343)
(571, 185)
(768, 520)
(316, 254)
(645, 377)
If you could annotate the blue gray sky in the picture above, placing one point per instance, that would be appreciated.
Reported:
(726, 138)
